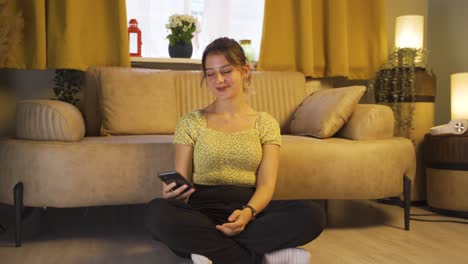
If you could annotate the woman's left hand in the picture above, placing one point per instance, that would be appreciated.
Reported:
(237, 222)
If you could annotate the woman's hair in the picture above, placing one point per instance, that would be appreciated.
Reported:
(233, 53)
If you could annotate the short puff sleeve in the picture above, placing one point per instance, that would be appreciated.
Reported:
(269, 129)
(187, 129)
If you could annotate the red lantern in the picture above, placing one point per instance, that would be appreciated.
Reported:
(134, 38)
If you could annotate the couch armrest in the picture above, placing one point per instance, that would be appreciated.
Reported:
(369, 121)
(48, 120)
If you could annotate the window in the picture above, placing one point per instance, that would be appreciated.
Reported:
(237, 19)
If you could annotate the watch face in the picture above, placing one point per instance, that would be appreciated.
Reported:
(459, 127)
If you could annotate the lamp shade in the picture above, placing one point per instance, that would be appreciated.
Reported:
(409, 32)
(459, 95)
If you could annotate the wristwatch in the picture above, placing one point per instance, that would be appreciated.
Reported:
(254, 212)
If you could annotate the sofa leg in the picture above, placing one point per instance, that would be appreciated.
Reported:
(18, 205)
(407, 200)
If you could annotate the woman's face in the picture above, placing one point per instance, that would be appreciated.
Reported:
(224, 80)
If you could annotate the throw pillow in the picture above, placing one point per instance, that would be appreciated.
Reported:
(324, 112)
(137, 102)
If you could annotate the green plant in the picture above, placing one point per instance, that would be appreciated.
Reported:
(68, 85)
(394, 85)
(181, 27)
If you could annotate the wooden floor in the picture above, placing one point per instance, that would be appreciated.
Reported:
(358, 232)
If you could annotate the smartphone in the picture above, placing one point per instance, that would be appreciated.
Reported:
(174, 176)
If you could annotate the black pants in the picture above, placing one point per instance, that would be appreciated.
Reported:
(190, 228)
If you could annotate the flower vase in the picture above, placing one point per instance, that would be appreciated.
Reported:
(181, 50)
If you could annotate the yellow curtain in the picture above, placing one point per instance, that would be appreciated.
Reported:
(71, 34)
(324, 38)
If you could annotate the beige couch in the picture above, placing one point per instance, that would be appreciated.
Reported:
(61, 167)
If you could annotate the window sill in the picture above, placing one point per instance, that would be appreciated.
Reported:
(166, 63)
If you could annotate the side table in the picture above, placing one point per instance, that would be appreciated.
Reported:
(446, 160)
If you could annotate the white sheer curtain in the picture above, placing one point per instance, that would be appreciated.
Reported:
(152, 17)
(238, 19)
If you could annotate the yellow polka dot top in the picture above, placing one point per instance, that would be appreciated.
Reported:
(226, 158)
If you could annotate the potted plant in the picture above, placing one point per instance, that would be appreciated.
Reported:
(180, 38)
(395, 85)
(67, 85)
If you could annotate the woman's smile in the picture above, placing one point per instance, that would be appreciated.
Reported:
(221, 88)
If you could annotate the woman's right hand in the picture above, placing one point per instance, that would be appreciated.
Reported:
(179, 193)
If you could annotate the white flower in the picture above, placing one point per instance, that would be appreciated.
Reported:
(179, 21)
(181, 27)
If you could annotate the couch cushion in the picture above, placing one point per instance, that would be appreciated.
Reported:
(48, 120)
(96, 171)
(324, 112)
(137, 102)
(122, 169)
(337, 168)
(369, 121)
(277, 93)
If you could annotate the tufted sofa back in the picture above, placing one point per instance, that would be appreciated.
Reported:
(278, 93)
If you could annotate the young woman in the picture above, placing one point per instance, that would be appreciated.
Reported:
(229, 217)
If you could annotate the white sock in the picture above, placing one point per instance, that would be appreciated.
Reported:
(199, 259)
(287, 256)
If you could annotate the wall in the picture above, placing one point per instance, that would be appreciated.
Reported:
(21, 85)
(396, 8)
(448, 44)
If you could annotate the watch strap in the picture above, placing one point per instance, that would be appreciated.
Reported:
(254, 212)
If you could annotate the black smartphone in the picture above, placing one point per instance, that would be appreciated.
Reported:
(174, 176)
